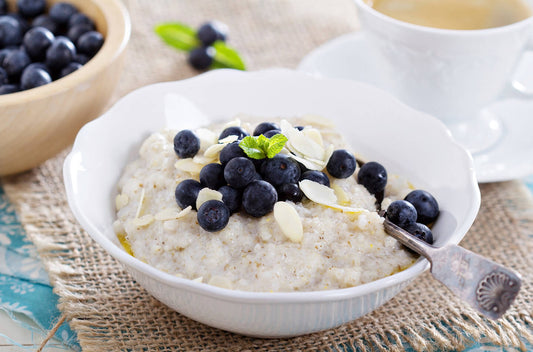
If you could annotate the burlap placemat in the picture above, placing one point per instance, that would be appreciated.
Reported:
(110, 312)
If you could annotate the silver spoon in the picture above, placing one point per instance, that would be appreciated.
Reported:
(488, 287)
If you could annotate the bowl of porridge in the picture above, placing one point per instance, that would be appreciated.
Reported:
(282, 262)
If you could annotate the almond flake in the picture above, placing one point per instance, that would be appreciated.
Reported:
(121, 201)
(188, 165)
(143, 221)
(347, 210)
(327, 153)
(167, 214)
(207, 137)
(289, 221)
(318, 120)
(199, 279)
(214, 150)
(309, 164)
(220, 281)
(140, 206)
(342, 197)
(306, 146)
(229, 139)
(203, 160)
(206, 194)
(318, 193)
(184, 212)
(314, 134)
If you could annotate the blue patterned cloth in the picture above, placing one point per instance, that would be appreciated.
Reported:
(25, 290)
(24, 286)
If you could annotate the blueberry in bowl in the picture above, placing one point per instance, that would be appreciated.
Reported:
(47, 96)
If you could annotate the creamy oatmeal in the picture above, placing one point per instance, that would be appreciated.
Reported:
(310, 245)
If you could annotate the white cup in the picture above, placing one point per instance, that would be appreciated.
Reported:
(451, 74)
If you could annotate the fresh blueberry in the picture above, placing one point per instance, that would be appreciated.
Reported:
(258, 163)
(271, 133)
(39, 65)
(202, 57)
(232, 197)
(80, 58)
(23, 23)
(90, 42)
(9, 88)
(279, 170)
(186, 144)
(60, 53)
(3, 76)
(239, 172)
(230, 151)
(264, 127)
(290, 191)
(80, 18)
(341, 164)
(373, 176)
(10, 31)
(3, 54)
(233, 131)
(3, 7)
(401, 213)
(187, 192)
(61, 12)
(71, 67)
(299, 128)
(15, 62)
(420, 231)
(74, 33)
(258, 198)
(31, 8)
(212, 31)
(36, 41)
(425, 204)
(213, 215)
(33, 77)
(212, 176)
(46, 22)
(316, 176)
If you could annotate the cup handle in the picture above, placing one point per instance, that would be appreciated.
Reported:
(521, 85)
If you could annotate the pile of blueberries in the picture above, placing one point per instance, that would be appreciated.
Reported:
(415, 213)
(38, 47)
(208, 33)
(255, 185)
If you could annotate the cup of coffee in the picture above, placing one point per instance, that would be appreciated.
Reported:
(451, 58)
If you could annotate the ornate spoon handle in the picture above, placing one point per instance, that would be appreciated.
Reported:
(488, 287)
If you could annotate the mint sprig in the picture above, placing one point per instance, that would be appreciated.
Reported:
(261, 147)
(183, 37)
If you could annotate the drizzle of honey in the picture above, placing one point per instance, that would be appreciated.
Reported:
(125, 243)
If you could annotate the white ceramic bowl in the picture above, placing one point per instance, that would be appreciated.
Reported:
(376, 125)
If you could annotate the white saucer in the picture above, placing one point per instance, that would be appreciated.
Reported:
(351, 57)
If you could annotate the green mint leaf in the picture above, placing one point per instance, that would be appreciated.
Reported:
(262, 142)
(275, 145)
(250, 146)
(226, 57)
(178, 35)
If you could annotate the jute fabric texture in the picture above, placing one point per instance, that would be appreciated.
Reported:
(111, 312)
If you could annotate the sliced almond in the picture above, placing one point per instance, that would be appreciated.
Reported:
(207, 137)
(143, 220)
(309, 164)
(327, 153)
(347, 210)
(318, 193)
(198, 279)
(229, 139)
(140, 206)
(206, 194)
(314, 134)
(203, 160)
(188, 165)
(121, 201)
(167, 214)
(342, 197)
(220, 281)
(289, 221)
(214, 150)
(184, 212)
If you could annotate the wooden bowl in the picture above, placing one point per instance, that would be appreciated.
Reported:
(38, 123)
